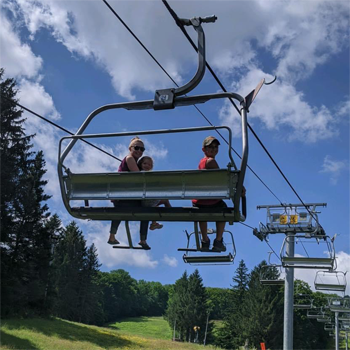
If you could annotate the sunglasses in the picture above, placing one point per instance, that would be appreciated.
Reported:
(138, 148)
(212, 146)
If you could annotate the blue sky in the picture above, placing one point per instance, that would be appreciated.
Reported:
(70, 57)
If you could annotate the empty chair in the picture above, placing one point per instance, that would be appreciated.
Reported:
(330, 281)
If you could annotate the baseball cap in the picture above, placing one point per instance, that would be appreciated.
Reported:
(208, 141)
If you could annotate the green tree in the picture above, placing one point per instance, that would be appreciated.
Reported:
(25, 242)
(78, 297)
(264, 309)
(197, 307)
(177, 312)
(233, 333)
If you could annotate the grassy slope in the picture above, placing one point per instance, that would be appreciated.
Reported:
(58, 334)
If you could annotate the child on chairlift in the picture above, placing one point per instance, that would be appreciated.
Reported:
(211, 149)
(146, 164)
(129, 163)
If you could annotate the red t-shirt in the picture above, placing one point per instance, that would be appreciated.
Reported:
(201, 166)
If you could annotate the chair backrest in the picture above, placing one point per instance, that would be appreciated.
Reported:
(179, 184)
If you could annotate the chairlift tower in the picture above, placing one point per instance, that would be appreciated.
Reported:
(295, 221)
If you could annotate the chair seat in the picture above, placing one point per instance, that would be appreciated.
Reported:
(186, 214)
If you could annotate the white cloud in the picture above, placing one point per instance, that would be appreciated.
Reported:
(16, 57)
(298, 40)
(334, 168)
(33, 96)
(281, 107)
(98, 232)
(171, 261)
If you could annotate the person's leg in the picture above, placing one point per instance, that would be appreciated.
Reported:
(143, 234)
(203, 226)
(115, 223)
(113, 231)
(220, 227)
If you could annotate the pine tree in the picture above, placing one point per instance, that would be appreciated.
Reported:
(264, 309)
(233, 335)
(177, 312)
(23, 214)
(69, 260)
(197, 306)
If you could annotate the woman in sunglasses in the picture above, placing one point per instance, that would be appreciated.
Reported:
(129, 163)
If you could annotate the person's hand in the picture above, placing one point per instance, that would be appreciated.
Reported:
(243, 192)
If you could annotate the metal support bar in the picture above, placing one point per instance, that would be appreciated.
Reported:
(288, 299)
(196, 235)
(128, 233)
(336, 331)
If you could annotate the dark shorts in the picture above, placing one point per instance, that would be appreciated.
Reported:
(220, 204)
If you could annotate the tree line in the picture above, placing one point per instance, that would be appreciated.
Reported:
(48, 269)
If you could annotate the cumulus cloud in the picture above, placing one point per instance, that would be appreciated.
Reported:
(333, 168)
(281, 107)
(298, 40)
(16, 57)
(171, 261)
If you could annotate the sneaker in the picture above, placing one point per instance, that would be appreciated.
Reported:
(205, 245)
(219, 246)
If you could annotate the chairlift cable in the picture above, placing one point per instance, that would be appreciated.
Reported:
(58, 126)
(164, 70)
(178, 22)
(242, 223)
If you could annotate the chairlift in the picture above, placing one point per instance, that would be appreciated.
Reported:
(265, 275)
(173, 185)
(330, 281)
(329, 326)
(323, 319)
(339, 304)
(303, 301)
(315, 313)
(344, 317)
(195, 256)
(309, 262)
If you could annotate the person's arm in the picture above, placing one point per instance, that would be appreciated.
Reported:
(211, 164)
(131, 162)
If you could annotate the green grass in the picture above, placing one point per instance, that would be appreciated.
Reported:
(57, 334)
(149, 327)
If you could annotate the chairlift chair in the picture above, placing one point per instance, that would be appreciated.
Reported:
(309, 262)
(266, 279)
(339, 304)
(315, 313)
(303, 301)
(330, 281)
(173, 185)
(195, 256)
(329, 327)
